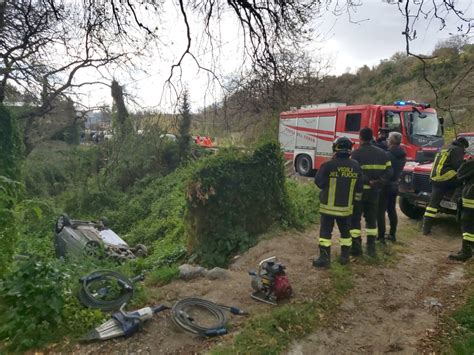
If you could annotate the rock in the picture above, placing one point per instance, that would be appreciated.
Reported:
(432, 303)
(188, 272)
(217, 273)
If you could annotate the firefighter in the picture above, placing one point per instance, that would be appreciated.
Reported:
(377, 171)
(382, 138)
(340, 181)
(466, 175)
(443, 178)
(389, 192)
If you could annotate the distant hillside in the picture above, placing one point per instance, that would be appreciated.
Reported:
(252, 110)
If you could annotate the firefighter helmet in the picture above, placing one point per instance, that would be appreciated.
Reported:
(342, 144)
(461, 141)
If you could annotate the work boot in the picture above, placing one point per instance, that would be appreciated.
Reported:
(427, 222)
(381, 239)
(391, 238)
(356, 248)
(324, 259)
(345, 253)
(465, 253)
(371, 246)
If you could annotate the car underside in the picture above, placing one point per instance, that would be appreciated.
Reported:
(94, 239)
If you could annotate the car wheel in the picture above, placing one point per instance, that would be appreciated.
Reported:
(105, 222)
(140, 250)
(304, 165)
(93, 249)
(410, 210)
(63, 221)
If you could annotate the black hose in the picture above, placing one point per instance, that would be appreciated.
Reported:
(116, 289)
(180, 316)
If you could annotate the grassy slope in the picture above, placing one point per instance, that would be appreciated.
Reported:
(462, 321)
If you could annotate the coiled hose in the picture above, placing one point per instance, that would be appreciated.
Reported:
(106, 290)
(180, 316)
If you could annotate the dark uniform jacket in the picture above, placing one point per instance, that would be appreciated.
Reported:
(446, 163)
(466, 174)
(381, 143)
(398, 158)
(340, 181)
(375, 165)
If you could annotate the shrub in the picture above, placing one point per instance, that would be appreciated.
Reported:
(32, 304)
(54, 168)
(38, 301)
(303, 204)
(231, 200)
(9, 191)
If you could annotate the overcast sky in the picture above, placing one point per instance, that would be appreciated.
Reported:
(378, 35)
(373, 33)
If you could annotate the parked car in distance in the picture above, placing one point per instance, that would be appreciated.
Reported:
(88, 238)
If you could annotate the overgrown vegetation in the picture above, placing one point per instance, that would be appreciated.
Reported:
(10, 145)
(38, 305)
(144, 196)
(233, 199)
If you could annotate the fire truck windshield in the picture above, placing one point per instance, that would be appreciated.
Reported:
(426, 126)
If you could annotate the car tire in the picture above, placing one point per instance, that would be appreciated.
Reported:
(93, 249)
(140, 250)
(409, 209)
(105, 222)
(63, 221)
(304, 165)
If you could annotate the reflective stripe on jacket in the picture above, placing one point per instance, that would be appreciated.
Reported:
(340, 181)
(375, 164)
(446, 163)
(466, 175)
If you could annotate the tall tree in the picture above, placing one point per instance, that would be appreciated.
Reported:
(46, 44)
(10, 145)
(184, 138)
(122, 123)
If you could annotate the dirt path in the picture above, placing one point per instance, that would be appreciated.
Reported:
(391, 309)
(395, 309)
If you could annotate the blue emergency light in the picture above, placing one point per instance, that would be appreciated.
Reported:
(411, 103)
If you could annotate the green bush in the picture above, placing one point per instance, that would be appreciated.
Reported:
(303, 204)
(232, 199)
(134, 157)
(54, 168)
(32, 304)
(9, 197)
(158, 210)
(38, 302)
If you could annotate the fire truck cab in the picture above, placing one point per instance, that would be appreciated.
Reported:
(306, 134)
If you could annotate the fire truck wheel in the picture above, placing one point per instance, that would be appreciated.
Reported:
(304, 165)
(410, 210)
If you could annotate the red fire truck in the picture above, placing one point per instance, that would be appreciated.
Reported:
(415, 186)
(306, 134)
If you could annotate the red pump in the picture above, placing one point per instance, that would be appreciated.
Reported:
(270, 283)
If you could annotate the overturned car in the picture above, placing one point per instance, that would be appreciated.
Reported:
(79, 238)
